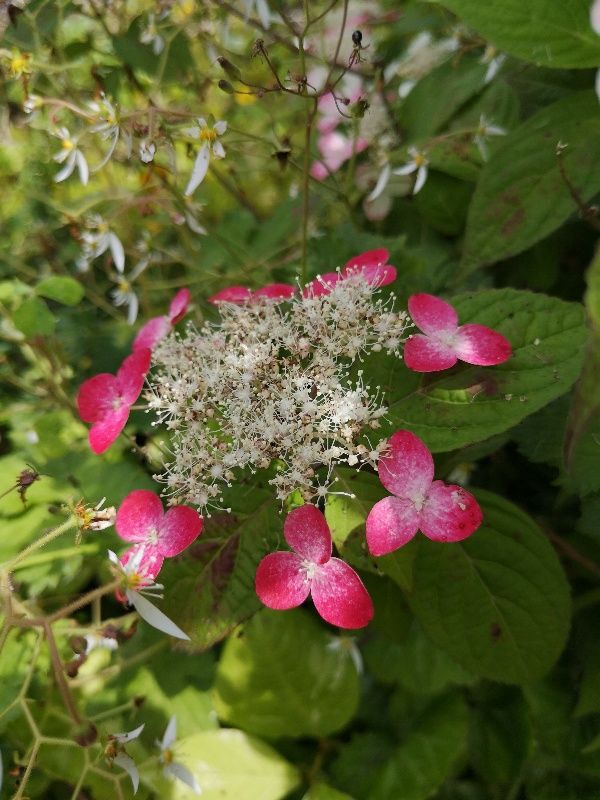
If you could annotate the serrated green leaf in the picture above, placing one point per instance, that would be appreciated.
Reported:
(449, 411)
(555, 34)
(33, 318)
(521, 196)
(282, 677)
(428, 755)
(64, 290)
(498, 602)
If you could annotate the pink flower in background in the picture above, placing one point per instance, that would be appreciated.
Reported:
(158, 327)
(285, 579)
(372, 265)
(443, 342)
(329, 109)
(238, 295)
(156, 535)
(105, 400)
(335, 149)
(443, 512)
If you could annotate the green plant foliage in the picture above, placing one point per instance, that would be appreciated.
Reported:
(62, 289)
(317, 684)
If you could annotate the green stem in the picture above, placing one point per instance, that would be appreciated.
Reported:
(44, 540)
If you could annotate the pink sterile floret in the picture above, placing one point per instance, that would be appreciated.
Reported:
(140, 519)
(372, 265)
(158, 327)
(105, 400)
(443, 342)
(335, 149)
(444, 513)
(285, 579)
(238, 295)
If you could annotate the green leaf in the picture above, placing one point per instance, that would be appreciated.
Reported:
(348, 768)
(321, 791)
(64, 290)
(554, 34)
(498, 602)
(33, 318)
(452, 410)
(443, 203)
(428, 755)
(230, 765)
(521, 196)
(281, 677)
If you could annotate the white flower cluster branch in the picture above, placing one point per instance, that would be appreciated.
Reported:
(272, 383)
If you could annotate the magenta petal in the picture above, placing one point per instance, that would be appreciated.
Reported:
(340, 597)
(424, 354)
(179, 306)
(450, 513)
(406, 468)
(232, 294)
(392, 522)
(431, 314)
(151, 333)
(140, 515)
(321, 285)
(371, 258)
(281, 582)
(105, 430)
(150, 560)
(276, 291)
(379, 275)
(306, 531)
(178, 529)
(131, 374)
(478, 344)
(96, 396)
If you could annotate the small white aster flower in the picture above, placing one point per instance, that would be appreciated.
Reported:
(71, 156)
(147, 151)
(115, 754)
(494, 60)
(419, 164)
(209, 143)
(124, 294)
(485, 129)
(151, 36)
(96, 240)
(107, 124)
(348, 646)
(171, 768)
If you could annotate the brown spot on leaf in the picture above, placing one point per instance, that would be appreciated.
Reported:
(513, 222)
(495, 631)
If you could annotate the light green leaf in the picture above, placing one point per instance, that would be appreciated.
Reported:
(321, 791)
(64, 290)
(498, 602)
(33, 318)
(282, 677)
(521, 196)
(449, 411)
(428, 755)
(554, 33)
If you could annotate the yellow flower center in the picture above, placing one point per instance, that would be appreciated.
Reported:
(124, 286)
(208, 135)
(167, 756)
(420, 160)
(67, 144)
(19, 64)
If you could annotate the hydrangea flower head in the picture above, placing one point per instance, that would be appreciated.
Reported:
(238, 295)
(444, 513)
(285, 579)
(371, 265)
(105, 400)
(443, 341)
(158, 327)
(156, 535)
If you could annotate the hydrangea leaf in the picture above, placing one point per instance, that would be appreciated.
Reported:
(521, 196)
(62, 289)
(546, 32)
(450, 410)
(498, 603)
(322, 791)
(283, 677)
(34, 318)
(429, 753)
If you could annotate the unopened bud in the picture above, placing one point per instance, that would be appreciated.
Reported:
(229, 69)
(226, 87)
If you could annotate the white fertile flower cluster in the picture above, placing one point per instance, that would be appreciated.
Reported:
(273, 383)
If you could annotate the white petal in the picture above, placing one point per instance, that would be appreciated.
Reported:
(264, 15)
(170, 734)
(495, 130)
(382, 182)
(218, 150)
(193, 133)
(598, 84)
(117, 252)
(407, 169)
(67, 170)
(61, 156)
(128, 764)
(129, 736)
(199, 171)
(133, 308)
(482, 147)
(421, 178)
(183, 774)
(220, 127)
(194, 225)
(202, 123)
(153, 616)
(114, 558)
(82, 166)
(406, 88)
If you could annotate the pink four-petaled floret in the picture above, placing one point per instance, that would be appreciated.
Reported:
(443, 512)
(443, 341)
(105, 400)
(158, 327)
(372, 265)
(239, 295)
(285, 579)
(156, 535)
